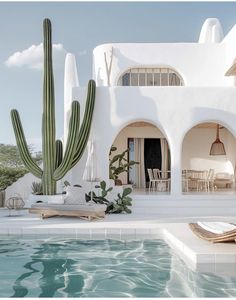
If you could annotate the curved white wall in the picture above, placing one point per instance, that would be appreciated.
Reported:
(198, 64)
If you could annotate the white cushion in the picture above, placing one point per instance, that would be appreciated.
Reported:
(74, 195)
(223, 175)
(73, 207)
(57, 199)
(217, 227)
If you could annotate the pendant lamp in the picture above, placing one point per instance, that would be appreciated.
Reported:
(217, 147)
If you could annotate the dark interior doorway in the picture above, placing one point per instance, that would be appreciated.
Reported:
(152, 155)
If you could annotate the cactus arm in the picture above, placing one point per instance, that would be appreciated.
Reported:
(28, 161)
(71, 144)
(48, 121)
(59, 153)
(86, 124)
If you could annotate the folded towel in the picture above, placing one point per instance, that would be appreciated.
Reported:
(217, 227)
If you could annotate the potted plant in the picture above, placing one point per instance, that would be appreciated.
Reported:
(56, 162)
(119, 164)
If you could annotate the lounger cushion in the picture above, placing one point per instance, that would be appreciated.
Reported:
(86, 207)
(217, 227)
(74, 195)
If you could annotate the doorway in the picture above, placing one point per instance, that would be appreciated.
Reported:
(152, 157)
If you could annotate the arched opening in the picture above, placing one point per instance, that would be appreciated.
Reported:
(208, 159)
(140, 157)
(158, 76)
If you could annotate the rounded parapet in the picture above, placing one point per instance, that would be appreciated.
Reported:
(211, 31)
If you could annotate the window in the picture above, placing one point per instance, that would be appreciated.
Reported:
(150, 77)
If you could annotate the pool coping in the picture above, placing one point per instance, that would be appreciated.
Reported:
(199, 255)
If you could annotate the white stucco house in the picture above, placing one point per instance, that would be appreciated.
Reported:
(152, 93)
(163, 101)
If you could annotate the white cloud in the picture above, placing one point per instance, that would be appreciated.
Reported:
(32, 57)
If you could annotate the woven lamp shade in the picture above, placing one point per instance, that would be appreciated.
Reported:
(217, 147)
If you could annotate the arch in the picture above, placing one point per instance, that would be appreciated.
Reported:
(161, 75)
(200, 163)
(149, 146)
(209, 120)
(135, 120)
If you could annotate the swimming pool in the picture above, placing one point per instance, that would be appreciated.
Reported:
(101, 268)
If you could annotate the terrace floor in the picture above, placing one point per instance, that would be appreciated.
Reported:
(222, 192)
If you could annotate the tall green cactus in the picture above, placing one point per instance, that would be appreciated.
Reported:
(55, 164)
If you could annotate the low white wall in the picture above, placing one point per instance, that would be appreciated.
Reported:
(22, 187)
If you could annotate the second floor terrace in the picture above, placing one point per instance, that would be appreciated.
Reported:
(203, 63)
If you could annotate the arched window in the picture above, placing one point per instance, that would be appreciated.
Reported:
(150, 77)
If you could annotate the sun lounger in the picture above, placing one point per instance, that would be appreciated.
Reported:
(88, 212)
(216, 232)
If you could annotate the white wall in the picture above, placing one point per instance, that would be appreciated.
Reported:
(230, 47)
(196, 148)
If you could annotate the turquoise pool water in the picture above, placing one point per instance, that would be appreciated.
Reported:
(101, 268)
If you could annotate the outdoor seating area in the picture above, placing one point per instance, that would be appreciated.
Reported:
(205, 180)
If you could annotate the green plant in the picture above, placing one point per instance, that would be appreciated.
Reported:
(37, 188)
(55, 164)
(66, 183)
(119, 163)
(121, 204)
(10, 157)
(101, 199)
(117, 206)
(9, 175)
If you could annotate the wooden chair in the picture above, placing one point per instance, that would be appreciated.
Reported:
(194, 177)
(152, 180)
(207, 182)
(161, 182)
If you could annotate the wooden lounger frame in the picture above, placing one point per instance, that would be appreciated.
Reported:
(52, 212)
(229, 236)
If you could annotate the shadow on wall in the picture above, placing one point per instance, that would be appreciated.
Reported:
(127, 108)
(124, 63)
(206, 114)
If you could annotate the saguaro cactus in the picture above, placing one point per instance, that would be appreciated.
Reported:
(55, 165)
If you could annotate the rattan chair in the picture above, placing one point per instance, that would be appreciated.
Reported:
(229, 236)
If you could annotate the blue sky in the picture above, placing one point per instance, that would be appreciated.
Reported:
(78, 27)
